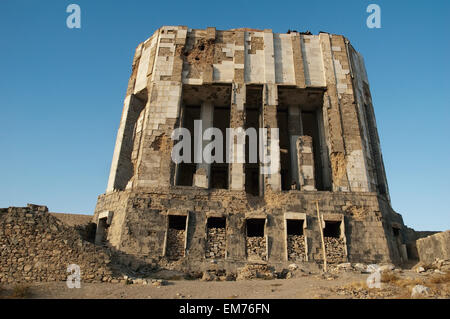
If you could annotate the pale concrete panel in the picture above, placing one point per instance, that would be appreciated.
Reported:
(312, 59)
(284, 59)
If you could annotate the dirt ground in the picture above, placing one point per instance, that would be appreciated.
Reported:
(339, 285)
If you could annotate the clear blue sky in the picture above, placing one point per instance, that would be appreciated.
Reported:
(62, 90)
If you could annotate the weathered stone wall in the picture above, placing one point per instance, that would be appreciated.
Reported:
(434, 246)
(145, 224)
(36, 246)
(73, 219)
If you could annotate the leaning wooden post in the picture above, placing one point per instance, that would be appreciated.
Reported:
(321, 236)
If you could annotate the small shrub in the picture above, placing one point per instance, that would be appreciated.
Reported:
(389, 277)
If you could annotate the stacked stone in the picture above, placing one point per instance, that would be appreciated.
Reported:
(256, 247)
(175, 243)
(335, 250)
(296, 247)
(251, 271)
(215, 244)
(37, 247)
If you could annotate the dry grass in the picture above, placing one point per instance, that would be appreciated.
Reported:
(405, 283)
(356, 285)
(389, 277)
(441, 279)
(439, 284)
(402, 287)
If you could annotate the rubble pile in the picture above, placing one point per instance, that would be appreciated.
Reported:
(217, 275)
(335, 249)
(256, 247)
(255, 271)
(296, 247)
(215, 244)
(175, 243)
(37, 247)
(441, 265)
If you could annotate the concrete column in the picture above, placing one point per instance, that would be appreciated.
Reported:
(121, 166)
(201, 177)
(334, 120)
(295, 131)
(271, 147)
(305, 161)
(237, 175)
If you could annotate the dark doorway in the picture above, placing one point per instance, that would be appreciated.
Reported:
(311, 128)
(253, 106)
(285, 156)
(216, 237)
(186, 171)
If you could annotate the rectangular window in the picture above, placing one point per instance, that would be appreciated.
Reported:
(216, 237)
(295, 239)
(256, 241)
(176, 234)
(310, 128)
(334, 242)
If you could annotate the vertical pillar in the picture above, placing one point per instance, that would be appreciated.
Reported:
(237, 145)
(237, 114)
(295, 131)
(121, 166)
(333, 114)
(180, 125)
(305, 156)
(271, 147)
(201, 177)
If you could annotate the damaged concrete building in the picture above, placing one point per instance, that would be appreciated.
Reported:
(314, 89)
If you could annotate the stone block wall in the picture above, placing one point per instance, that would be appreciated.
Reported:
(434, 247)
(36, 246)
(145, 225)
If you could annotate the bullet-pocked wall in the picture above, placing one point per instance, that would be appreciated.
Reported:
(312, 88)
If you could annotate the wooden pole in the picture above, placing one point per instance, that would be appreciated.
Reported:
(321, 236)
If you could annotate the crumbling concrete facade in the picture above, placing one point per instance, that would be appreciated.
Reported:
(313, 89)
